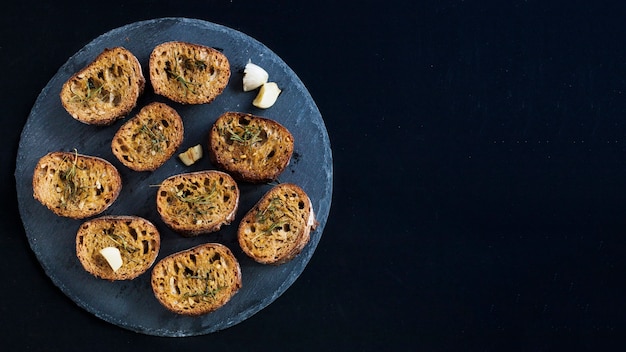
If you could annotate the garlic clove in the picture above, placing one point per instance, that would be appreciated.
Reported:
(191, 155)
(267, 95)
(254, 77)
(112, 256)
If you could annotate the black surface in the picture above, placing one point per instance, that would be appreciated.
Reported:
(489, 133)
(131, 304)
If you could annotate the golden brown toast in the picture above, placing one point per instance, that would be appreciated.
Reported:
(149, 139)
(251, 148)
(278, 227)
(106, 89)
(74, 185)
(188, 73)
(198, 280)
(137, 240)
(198, 202)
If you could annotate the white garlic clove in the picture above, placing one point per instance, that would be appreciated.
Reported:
(254, 77)
(267, 95)
(191, 155)
(112, 256)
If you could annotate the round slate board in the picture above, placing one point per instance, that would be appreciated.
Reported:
(131, 304)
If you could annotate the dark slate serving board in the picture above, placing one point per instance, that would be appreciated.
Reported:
(131, 304)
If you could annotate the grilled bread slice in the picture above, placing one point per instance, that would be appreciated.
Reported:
(278, 227)
(188, 73)
(198, 280)
(251, 148)
(106, 89)
(74, 185)
(198, 202)
(149, 139)
(136, 239)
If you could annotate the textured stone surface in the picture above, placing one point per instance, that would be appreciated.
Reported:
(131, 304)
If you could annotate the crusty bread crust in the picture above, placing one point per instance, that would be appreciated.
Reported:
(188, 73)
(137, 239)
(198, 280)
(251, 148)
(106, 89)
(149, 139)
(278, 227)
(74, 185)
(198, 202)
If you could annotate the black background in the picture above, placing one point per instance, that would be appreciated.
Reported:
(479, 174)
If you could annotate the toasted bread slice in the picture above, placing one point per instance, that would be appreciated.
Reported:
(149, 139)
(251, 148)
(137, 240)
(198, 202)
(188, 73)
(198, 280)
(278, 227)
(74, 185)
(106, 89)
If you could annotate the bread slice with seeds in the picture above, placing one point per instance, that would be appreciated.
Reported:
(198, 202)
(278, 227)
(251, 148)
(198, 280)
(74, 185)
(136, 239)
(149, 139)
(106, 89)
(188, 73)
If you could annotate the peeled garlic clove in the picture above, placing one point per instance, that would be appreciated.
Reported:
(112, 256)
(267, 95)
(191, 155)
(253, 77)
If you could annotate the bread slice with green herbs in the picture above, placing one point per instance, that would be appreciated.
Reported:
(198, 202)
(149, 139)
(188, 73)
(74, 185)
(278, 227)
(135, 240)
(106, 89)
(251, 148)
(198, 280)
